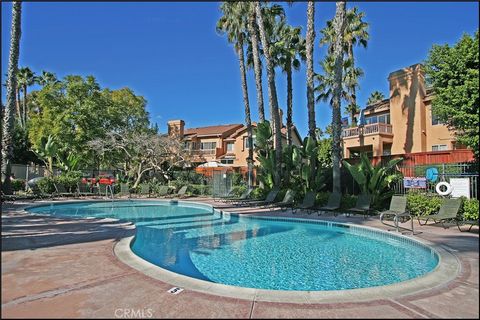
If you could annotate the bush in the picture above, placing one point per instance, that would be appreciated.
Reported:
(237, 179)
(420, 204)
(348, 201)
(188, 177)
(322, 198)
(69, 180)
(199, 189)
(18, 184)
(46, 185)
(470, 209)
(258, 193)
(237, 191)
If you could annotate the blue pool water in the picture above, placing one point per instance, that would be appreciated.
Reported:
(193, 240)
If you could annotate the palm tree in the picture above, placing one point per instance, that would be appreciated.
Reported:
(338, 52)
(272, 93)
(356, 33)
(46, 78)
(375, 96)
(9, 115)
(286, 52)
(255, 60)
(26, 78)
(310, 73)
(233, 23)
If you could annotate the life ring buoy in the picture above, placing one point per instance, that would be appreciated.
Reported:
(447, 191)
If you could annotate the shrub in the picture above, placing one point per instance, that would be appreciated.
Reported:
(237, 191)
(199, 189)
(237, 179)
(188, 177)
(470, 209)
(18, 184)
(46, 185)
(420, 204)
(322, 198)
(258, 193)
(348, 201)
(69, 180)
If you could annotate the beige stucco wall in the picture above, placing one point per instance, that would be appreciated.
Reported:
(438, 134)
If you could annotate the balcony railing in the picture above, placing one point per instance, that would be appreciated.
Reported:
(204, 152)
(373, 128)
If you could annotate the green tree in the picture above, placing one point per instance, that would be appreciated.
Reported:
(234, 24)
(375, 96)
(9, 113)
(46, 78)
(453, 72)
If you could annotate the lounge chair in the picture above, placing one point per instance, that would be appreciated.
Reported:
(180, 194)
(448, 211)
(244, 196)
(397, 211)
(463, 222)
(83, 189)
(287, 201)
(62, 191)
(362, 206)
(144, 190)
(333, 203)
(308, 202)
(269, 199)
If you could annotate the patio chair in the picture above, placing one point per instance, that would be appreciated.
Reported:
(468, 222)
(362, 206)
(287, 201)
(162, 191)
(83, 189)
(397, 211)
(448, 211)
(333, 203)
(308, 202)
(61, 191)
(180, 194)
(145, 189)
(269, 199)
(244, 196)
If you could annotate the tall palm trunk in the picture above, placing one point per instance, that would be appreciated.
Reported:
(248, 122)
(289, 101)
(7, 143)
(272, 95)
(257, 67)
(24, 109)
(18, 106)
(310, 74)
(339, 27)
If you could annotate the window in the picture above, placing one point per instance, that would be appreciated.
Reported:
(435, 120)
(370, 120)
(384, 118)
(246, 145)
(439, 147)
(230, 146)
(208, 145)
(227, 161)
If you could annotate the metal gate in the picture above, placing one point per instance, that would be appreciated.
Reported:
(222, 183)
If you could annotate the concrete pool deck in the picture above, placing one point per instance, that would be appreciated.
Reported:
(56, 267)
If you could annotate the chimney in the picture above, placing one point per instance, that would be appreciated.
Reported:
(176, 128)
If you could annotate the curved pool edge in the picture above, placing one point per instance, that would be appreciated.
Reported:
(447, 269)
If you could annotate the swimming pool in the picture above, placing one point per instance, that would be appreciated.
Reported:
(260, 252)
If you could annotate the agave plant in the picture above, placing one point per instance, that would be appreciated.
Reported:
(306, 161)
(375, 180)
(47, 152)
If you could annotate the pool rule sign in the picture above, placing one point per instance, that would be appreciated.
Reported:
(460, 187)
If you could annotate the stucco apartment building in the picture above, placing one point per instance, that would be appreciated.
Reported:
(225, 144)
(402, 124)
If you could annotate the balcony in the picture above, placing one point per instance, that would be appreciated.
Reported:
(374, 128)
(204, 152)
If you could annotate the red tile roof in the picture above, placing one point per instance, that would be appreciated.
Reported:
(212, 130)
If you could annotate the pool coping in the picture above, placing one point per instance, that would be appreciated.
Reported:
(446, 270)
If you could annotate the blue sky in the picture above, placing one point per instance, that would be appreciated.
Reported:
(170, 53)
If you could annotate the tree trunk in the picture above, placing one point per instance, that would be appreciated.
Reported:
(339, 27)
(18, 106)
(310, 40)
(24, 111)
(289, 102)
(272, 96)
(248, 121)
(257, 67)
(9, 116)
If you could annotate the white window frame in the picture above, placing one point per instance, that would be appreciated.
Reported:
(231, 144)
(439, 147)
